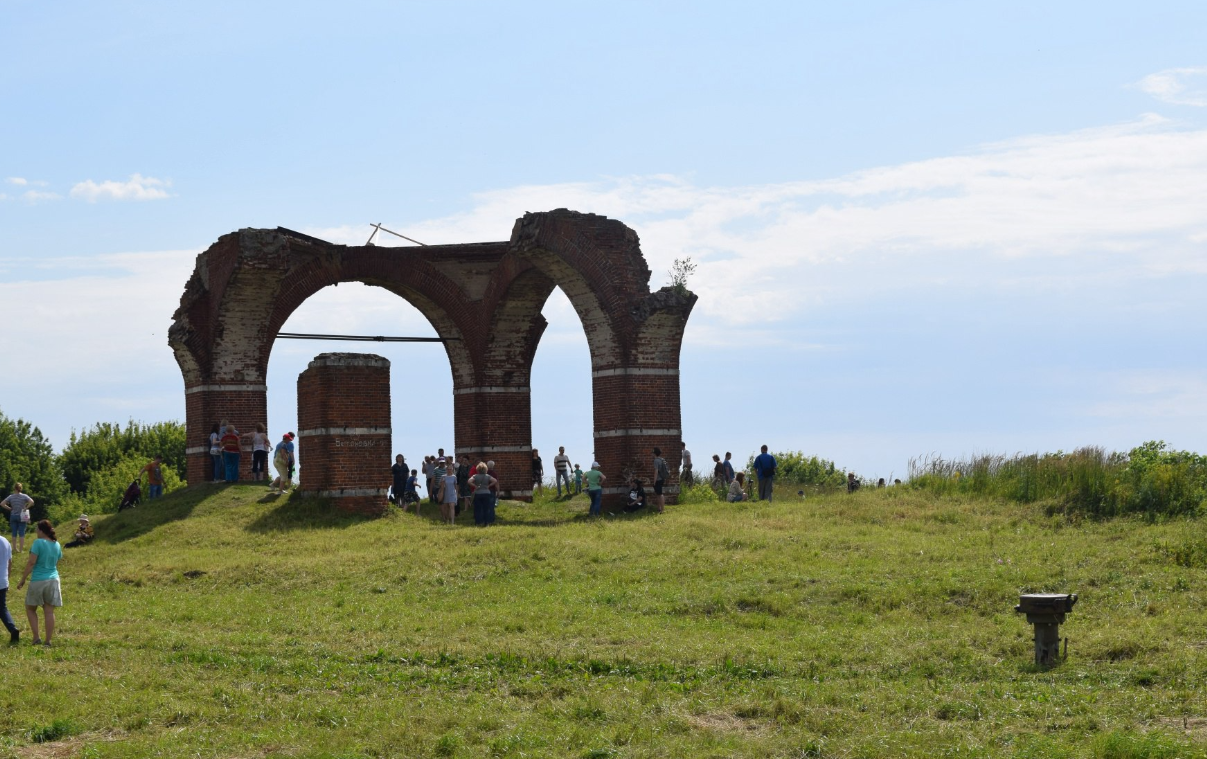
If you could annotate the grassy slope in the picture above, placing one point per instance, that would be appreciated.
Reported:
(878, 624)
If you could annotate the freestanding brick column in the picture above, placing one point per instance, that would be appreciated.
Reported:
(344, 431)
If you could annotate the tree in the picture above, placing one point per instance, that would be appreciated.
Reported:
(28, 457)
(104, 446)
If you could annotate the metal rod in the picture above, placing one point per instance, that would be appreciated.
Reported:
(365, 338)
(408, 239)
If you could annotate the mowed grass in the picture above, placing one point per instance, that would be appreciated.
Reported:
(219, 622)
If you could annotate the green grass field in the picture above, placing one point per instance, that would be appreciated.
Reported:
(221, 623)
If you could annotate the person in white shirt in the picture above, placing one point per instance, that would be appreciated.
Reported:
(6, 568)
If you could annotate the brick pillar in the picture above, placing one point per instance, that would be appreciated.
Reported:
(494, 423)
(636, 409)
(244, 405)
(344, 431)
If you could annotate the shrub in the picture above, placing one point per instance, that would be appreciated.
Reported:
(795, 468)
(1149, 479)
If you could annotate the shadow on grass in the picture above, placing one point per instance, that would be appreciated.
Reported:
(297, 513)
(150, 514)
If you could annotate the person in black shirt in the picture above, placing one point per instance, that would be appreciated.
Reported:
(538, 470)
(399, 474)
(636, 496)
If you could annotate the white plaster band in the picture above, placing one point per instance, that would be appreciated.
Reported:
(649, 492)
(515, 493)
(380, 363)
(226, 389)
(635, 372)
(317, 431)
(504, 449)
(624, 433)
(472, 390)
(346, 493)
(199, 449)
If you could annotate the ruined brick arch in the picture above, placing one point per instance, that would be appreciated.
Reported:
(485, 299)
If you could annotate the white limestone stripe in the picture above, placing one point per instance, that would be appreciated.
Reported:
(347, 431)
(635, 372)
(504, 449)
(226, 389)
(198, 449)
(346, 493)
(491, 389)
(622, 433)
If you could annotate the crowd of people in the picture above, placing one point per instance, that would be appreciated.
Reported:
(41, 572)
(226, 453)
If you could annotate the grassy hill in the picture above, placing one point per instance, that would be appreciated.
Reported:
(219, 622)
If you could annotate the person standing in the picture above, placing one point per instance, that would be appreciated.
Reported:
(6, 568)
(718, 474)
(561, 470)
(662, 473)
(728, 467)
(18, 505)
(595, 480)
(283, 462)
(230, 453)
(260, 446)
(688, 476)
(398, 473)
(764, 469)
(216, 452)
(428, 463)
(494, 486)
(482, 482)
(448, 494)
(538, 471)
(42, 571)
(578, 479)
(154, 472)
(463, 475)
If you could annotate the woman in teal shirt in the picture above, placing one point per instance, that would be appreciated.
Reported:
(42, 571)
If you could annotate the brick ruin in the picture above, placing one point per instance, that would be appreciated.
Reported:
(344, 430)
(485, 301)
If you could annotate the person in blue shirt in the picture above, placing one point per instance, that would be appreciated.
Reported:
(42, 571)
(728, 468)
(764, 467)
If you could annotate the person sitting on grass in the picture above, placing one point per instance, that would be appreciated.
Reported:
(83, 533)
(736, 488)
(636, 496)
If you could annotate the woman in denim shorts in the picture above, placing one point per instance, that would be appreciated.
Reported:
(42, 570)
(17, 505)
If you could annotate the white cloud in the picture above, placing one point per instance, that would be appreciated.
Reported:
(1182, 86)
(137, 187)
(35, 196)
(19, 181)
(1123, 201)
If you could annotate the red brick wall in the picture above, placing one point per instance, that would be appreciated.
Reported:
(344, 430)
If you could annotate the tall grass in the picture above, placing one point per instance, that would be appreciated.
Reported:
(1149, 479)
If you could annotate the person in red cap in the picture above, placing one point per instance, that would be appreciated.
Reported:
(283, 461)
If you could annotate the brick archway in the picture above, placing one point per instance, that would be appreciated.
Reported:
(485, 299)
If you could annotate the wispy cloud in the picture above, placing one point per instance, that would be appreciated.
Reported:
(1119, 202)
(1183, 86)
(137, 187)
(37, 196)
(19, 181)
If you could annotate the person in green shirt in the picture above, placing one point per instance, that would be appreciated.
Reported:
(595, 480)
(42, 570)
(578, 479)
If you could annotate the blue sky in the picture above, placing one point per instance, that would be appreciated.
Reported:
(920, 227)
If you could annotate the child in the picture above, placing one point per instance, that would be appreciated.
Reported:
(409, 494)
(83, 533)
(578, 480)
